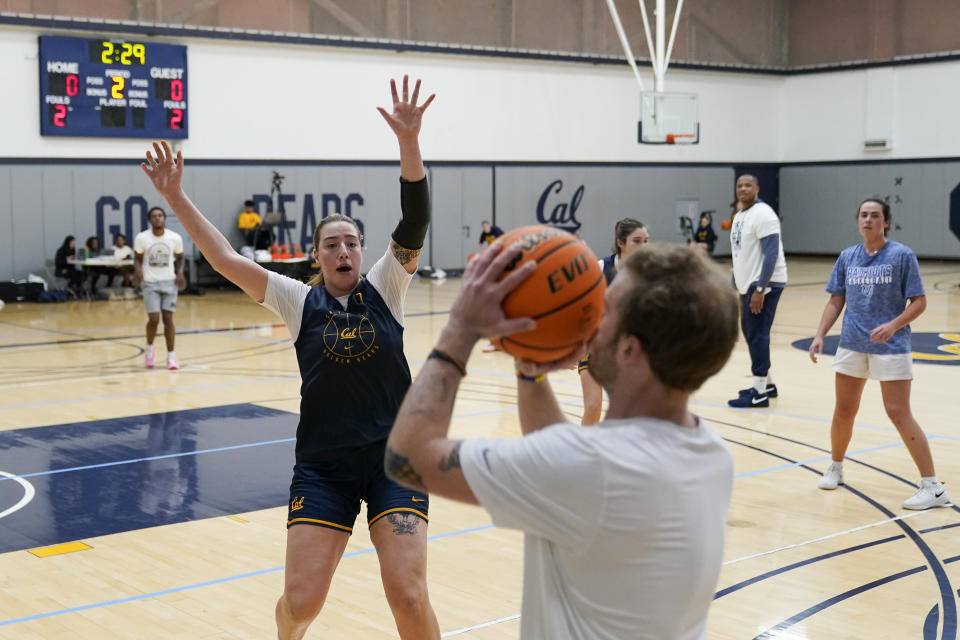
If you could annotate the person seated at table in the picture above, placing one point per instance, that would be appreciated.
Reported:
(63, 269)
(247, 222)
(92, 251)
(122, 253)
(93, 247)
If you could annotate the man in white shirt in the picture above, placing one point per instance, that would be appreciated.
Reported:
(760, 274)
(158, 264)
(624, 522)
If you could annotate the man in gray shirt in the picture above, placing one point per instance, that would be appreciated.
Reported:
(624, 522)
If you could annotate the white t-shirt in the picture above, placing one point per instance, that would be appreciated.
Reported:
(285, 296)
(122, 253)
(624, 525)
(759, 221)
(159, 254)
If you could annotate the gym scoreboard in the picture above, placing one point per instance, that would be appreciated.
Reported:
(104, 87)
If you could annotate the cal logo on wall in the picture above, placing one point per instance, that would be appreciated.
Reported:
(560, 214)
(932, 348)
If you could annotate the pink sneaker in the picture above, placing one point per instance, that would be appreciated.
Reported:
(172, 363)
(149, 357)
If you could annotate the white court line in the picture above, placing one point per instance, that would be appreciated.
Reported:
(151, 392)
(108, 376)
(28, 493)
(832, 535)
(479, 626)
(105, 376)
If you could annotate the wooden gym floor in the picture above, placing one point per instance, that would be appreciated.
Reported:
(150, 504)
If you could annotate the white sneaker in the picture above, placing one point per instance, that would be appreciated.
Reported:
(930, 495)
(833, 477)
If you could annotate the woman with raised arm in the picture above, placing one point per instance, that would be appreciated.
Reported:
(352, 386)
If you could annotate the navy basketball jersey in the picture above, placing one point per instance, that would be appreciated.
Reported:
(609, 266)
(353, 370)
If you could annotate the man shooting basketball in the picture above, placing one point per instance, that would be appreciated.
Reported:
(625, 522)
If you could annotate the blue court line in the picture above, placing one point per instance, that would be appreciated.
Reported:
(802, 563)
(943, 581)
(781, 414)
(946, 526)
(80, 337)
(821, 449)
(135, 460)
(812, 460)
(75, 331)
(803, 615)
(155, 594)
(833, 554)
(930, 624)
(222, 332)
(929, 629)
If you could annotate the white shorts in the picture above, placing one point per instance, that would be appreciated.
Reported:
(876, 366)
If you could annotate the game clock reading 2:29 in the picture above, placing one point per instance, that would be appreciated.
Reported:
(103, 87)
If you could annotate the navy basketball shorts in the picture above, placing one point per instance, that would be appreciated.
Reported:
(329, 493)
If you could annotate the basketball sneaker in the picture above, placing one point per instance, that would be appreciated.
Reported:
(833, 477)
(150, 356)
(172, 363)
(930, 494)
(749, 399)
(771, 391)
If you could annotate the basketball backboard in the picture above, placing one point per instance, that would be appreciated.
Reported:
(668, 118)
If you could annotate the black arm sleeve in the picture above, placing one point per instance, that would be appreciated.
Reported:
(415, 206)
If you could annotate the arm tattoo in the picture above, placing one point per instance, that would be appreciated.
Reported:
(404, 256)
(404, 524)
(398, 468)
(452, 461)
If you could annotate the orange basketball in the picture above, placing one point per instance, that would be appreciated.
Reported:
(564, 295)
(726, 224)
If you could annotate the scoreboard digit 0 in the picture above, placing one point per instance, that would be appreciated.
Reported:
(103, 87)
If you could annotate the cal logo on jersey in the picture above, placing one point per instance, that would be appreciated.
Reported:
(349, 337)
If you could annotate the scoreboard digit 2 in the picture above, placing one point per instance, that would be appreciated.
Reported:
(104, 87)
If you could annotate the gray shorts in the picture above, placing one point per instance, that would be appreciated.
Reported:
(159, 295)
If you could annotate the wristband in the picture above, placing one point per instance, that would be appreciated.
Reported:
(436, 354)
(525, 378)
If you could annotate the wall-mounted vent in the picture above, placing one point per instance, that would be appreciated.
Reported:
(877, 144)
